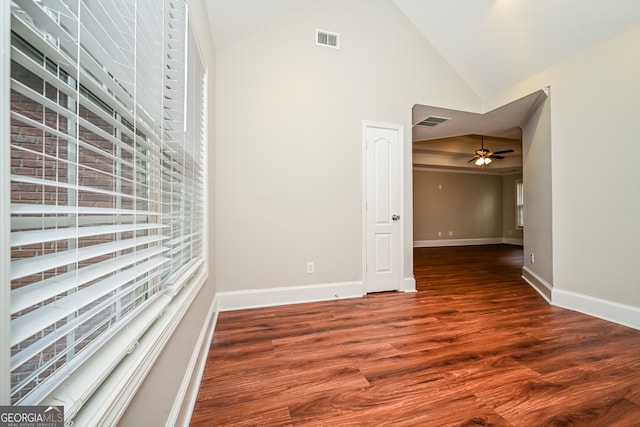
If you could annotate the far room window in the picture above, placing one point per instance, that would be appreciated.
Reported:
(519, 204)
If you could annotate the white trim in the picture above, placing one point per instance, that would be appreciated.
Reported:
(466, 242)
(270, 297)
(511, 241)
(402, 212)
(110, 401)
(622, 314)
(543, 287)
(456, 242)
(408, 284)
(5, 196)
(188, 393)
(363, 208)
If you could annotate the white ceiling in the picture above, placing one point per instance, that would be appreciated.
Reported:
(231, 20)
(492, 44)
(495, 44)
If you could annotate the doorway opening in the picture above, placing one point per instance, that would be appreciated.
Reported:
(466, 170)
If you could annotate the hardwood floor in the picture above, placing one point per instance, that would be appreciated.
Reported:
(475, 346)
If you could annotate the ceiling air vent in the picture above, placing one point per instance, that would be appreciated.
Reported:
(327, 39)
(432, 121)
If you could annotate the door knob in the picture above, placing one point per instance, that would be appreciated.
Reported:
(395, 217)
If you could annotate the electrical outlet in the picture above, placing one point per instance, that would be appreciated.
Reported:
(439, 233)
(533, 258)
(450, 233)
(310, 267)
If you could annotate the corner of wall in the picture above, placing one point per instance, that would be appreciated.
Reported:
(538, 283)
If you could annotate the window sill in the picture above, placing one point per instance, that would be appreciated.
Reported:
(109, 401)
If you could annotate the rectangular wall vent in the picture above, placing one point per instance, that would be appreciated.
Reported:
(432, 121)
(327, 39)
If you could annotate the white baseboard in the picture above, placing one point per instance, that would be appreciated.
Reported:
(622, 314)
(465, 242)
(408, 284)
(188, 393)
(254, 298)
(515, 242)
(543, 287)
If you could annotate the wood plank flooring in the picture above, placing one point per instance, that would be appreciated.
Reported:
(475, 346)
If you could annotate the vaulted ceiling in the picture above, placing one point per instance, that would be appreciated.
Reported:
(483, 40)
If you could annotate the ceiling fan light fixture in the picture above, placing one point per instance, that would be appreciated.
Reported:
(484, 156)
(483, 161)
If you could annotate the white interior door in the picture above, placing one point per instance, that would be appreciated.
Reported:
(382, 205)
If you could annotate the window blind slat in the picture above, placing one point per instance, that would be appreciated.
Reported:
(43, 127)
(44, 101)
(123, 73)
(179, 277)
(36, 39)
(25, 267)
(27, 209)
(27, 62)
(40, 99)
(44, 22)
(114, 39)
(58, 184)
(53, 337)
(37, 320)
(23, 238)
(88, 125)
(31, 295)
(46, 341)
(116, 142)
(92, 74)
(19, 223)
(94, 77)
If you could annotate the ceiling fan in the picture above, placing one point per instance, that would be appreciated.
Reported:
(484, 156)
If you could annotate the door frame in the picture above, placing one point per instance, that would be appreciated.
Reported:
(401, 208)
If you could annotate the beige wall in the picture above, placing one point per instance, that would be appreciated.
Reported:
(538, 178)
(289, 138)
(471, 205)
(591, 227)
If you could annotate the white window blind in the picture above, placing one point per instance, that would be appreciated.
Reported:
(107, 176)
(519, 204)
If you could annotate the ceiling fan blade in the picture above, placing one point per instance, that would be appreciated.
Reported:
(497, 157)
(503, 151)
(475, 158)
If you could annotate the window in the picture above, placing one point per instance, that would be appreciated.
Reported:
(519, 204)
(107, 118)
